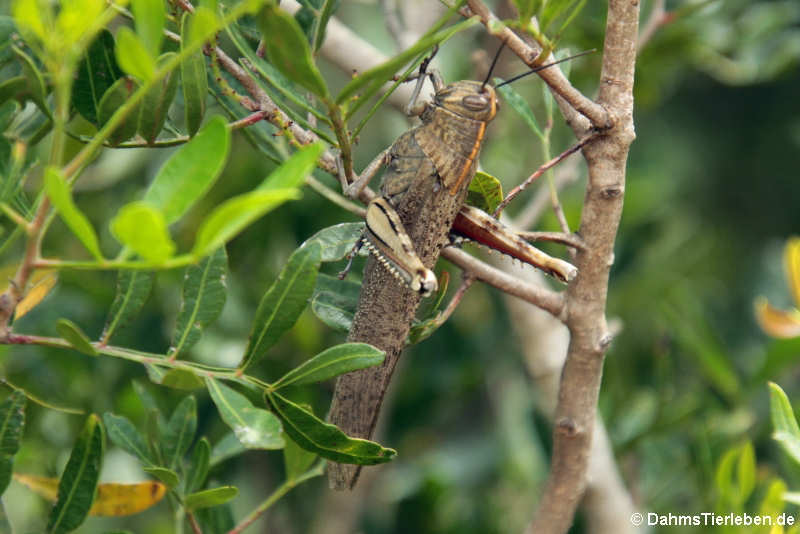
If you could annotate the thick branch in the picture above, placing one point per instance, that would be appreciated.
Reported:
(586, 296)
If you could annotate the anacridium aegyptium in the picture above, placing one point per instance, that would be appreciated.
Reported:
(429, 169)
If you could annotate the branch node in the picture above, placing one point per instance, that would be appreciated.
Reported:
(605, 341)
(612, 192)
(567, 426)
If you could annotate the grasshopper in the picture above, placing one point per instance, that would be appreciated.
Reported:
(429, 169)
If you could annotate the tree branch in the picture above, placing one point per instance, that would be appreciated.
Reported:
(586, 296)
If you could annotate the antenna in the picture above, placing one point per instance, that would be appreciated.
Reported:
(542, 67)
(491, 68)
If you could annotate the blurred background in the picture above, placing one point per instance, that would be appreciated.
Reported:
(713, 193)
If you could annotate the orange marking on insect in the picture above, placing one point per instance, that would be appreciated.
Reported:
(475, 148)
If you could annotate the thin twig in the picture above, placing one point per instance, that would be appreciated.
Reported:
(569, 239)
(546, 299)
(657, 18)
(193, 523)
(541, 170)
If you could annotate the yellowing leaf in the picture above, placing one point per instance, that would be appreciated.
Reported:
(792, 261)
(775, 322)
(36, 294)
(126, 499)
(112, 499)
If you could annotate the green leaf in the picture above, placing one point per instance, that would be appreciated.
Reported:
(526, 9)
(184, 379)
(724, 476)
(29, 18)
(112, 100)
(324, 439)
(333, 362)
(227, 447)
(75, 337)
(12, 422)
(167, 476)
(59, 193)
(334, 309)
(133, 288)
(132, 55)
(521, 106)
(485, 192)
(288, 50)
(374, 78)
(236, 214)
(203, 24)
(142, 228)
(203, 300)
(210, 497)
(150, 17)
(296, 460)
(254, 428)
(321, 23)
(179, 432)
(746, 471)
(77, 486)
(198, 469)
(337, 241)
(292, 173)
(554, 8)
(36, 86)
(154, 107)
(193, 82)
(283, 303)
(127, 437)
(784, 423)
(191, 171)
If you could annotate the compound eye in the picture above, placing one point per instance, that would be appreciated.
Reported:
(475, 102)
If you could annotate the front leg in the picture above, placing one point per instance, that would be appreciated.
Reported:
(354, 190)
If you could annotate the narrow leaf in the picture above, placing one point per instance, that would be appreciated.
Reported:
(792, 265)
(191, 171)
(132, 55)
(288, 50)
(142, 228)
(75, 337)
(179, 432)
(485, 192)
(156, 102)
(36, 294)
(337, 241)
(293, 172)
(76, 489)
(167, 476)
(321, 23)
(112, 100)
(203, 24)
(296, 460)
(746, 472)
(59, 193)
(228, 447)
(335, 310)
(127, 437)
(12, 422)
(283, 303)
(781, 413)
(193, 82)
(521, 106)
(324, 439)
(254, 428)
(375, 77)
(236, 214)
(133, 288)
(210, 497)
(184, 379)
(150, 17)
(333, 362)
(198, 469)
(203, 300)
(119, 500)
